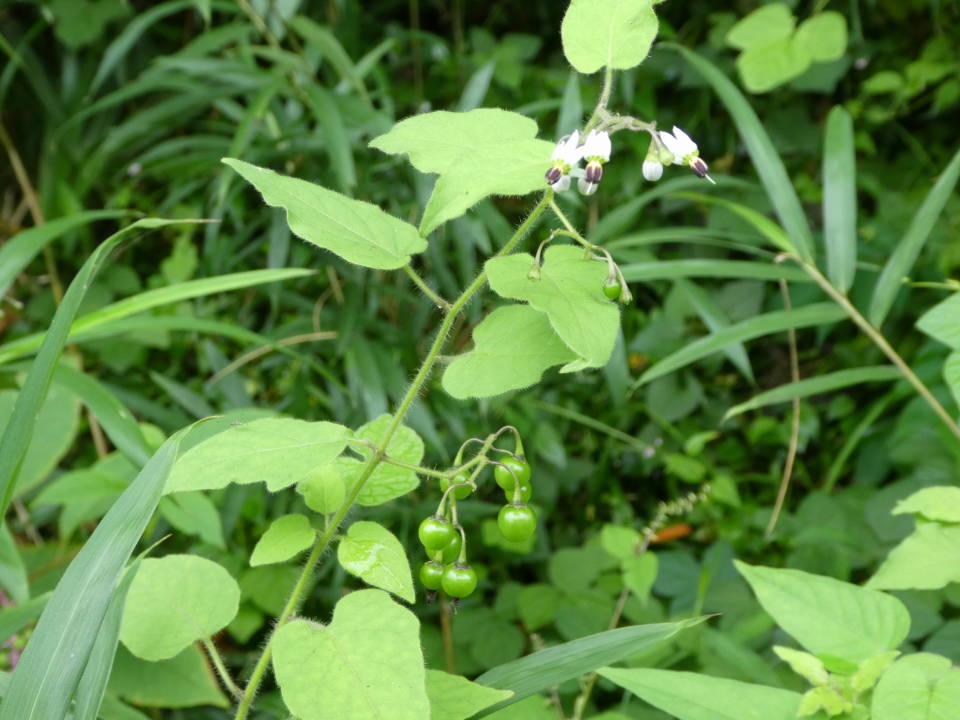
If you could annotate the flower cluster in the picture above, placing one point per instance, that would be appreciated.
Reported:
(676, 148)
(567, 155)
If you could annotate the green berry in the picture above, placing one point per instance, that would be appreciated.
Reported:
(459, 580)
(520, 468)
(435, 533)
(517, 522)
(612, 289)
(452, 550)
(459, 493)
(431, 575)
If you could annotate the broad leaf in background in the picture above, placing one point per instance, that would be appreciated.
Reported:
(569, 291)
(927, 559)
(918, 687)
(182, 681)
(286, 537)
(357, 231)
(477, 153)
(13, 573)
(367, 663)
(513, 346)
(616, 34)
(373, 554)
(832, 619)
(278, 451)
(387, 481)
(691, 696)
(175, 601)
(908, 249)
(554, 665)
(192, 513)
(942, 322)
(455, 698)
(840, 200)
(51, 665)
(933, 503)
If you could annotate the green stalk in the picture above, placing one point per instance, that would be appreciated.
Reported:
(296, 597)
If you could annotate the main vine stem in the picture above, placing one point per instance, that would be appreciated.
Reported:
(376, 457)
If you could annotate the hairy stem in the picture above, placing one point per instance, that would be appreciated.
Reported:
(222, 671)
(376, 457)
(426, 289)
(602, 102)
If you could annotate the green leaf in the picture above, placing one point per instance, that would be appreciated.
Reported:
(870, 670)
(193, 513)
(278, 451)
(712, 268)
(357, 231)
(537, 605)
(336, 140)
(369, 658)
(477, 153)
(569, 291)
(934, 503)
(927, 559)
(60, 645)
(908, 249)
(619, 541)
(763, 225)
(840, 199)
(323, 490)
(715, 318)
(13, 573)
(917, 687)
(513, 346)
(942, 322)
(182, 681)
(15, 618)
(15, 440)
(762, 151)
(455, 698)
(554, 665)
(823, 37)
(951, 374)
(639, 574)
(616, 34)
(779, 321)
(829, 618)
(766, 24)
(804, 664)
(286, 537)
(175, 601)
(387, 481)
(373, 554)
(816, 386)
(691, 696)
(765, 67)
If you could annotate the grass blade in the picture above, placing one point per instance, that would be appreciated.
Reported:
(764, 155)
(711, 268)
(550, 667)
(816, 386)
(906, 252)
(763, 225)
(16, 438)
(51, 666)
(774, 322)
(716, 319)
(840, 200)
(17, 253)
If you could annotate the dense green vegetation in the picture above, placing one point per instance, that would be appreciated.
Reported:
(748, 407)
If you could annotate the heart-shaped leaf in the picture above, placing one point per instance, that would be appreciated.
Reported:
(373, 554)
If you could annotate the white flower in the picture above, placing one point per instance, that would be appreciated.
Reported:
(566, 156)
(586, 187)
(685, 151)
(652, 170)
(596, 145)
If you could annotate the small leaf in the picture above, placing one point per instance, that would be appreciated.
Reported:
(387, 481)
(286, 537)
(804, 664)
(278, 451)
(639, 574)
(942, 322)
(766, 24)
(569, 292)
(184, 680)
(618, 541)
(324, 490)
(368, 657)
(823, 36)
(691, 696)
(537, 605)
(765, 67)
(373, 554)
(927, 559)
(870, 670)
(917, 687)
(513, 347)
(829, 617)
(175, 601)
(608, 33)
(357, 231)
(840, 199)
(455, 698)
(934, 503)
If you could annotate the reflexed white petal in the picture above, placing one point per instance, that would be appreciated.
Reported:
(597, 144)
(586, 188)
(685, 141)
(562, 184)
(567, 149)
(673, 145)
(652, 170)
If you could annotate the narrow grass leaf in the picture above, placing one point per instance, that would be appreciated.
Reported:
(907, 250)
(840, 200)
(766, 227)
(817, 386)
(779, 321)
(765, 158)
(711, 268)
(715, 318)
